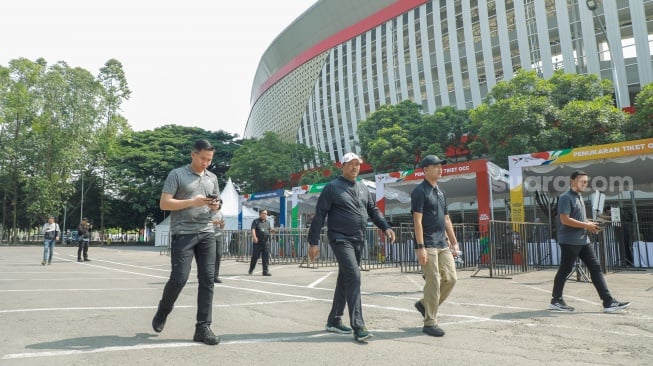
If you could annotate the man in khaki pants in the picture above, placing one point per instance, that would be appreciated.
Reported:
(434, 252)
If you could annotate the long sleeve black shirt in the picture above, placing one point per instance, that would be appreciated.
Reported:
(348, 205)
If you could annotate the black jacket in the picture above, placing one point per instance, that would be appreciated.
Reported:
(348, 205)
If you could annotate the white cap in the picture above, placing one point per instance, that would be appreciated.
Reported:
(349, 157)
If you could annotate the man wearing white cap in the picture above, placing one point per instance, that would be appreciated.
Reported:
(435, 243)
(348, 204)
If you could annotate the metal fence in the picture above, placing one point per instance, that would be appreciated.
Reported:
(290, 246)
(506, 249)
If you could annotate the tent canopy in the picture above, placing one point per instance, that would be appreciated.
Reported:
(610, 176)
(460, 188)
(230, 198)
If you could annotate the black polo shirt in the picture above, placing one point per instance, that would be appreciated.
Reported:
(431, 202)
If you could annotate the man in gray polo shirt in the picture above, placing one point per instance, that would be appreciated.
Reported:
(191, 194)
(573, 229)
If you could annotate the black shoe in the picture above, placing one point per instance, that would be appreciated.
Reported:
(86, 259)
(217, 280)
(159, 320)
(337, 327)
(250, 271)
(560, 305)
(204, 334)
(267, 274)
(615, 305)
(420, 307)
(433, 331)
(79, 260)
(362, 335)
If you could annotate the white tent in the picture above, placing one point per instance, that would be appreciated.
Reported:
(162, 233)
(230, 198)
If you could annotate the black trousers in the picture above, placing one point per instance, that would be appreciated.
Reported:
(83, 247)
(568, 255)
(262, 248)
(182, 250)
(218, 256)
(348, 284)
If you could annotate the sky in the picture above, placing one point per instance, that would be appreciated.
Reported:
(188, 63)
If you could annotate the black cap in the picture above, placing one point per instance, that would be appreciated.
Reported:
(431, 160)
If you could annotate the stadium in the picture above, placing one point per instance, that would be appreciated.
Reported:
(341, 59)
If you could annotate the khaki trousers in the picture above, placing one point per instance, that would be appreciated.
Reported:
(440, 274)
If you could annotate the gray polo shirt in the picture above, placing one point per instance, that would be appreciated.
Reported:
(571, 203)
(183, 183)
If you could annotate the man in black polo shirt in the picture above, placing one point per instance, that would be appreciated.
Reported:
(261, 242)
(573, 228)
(434, 252)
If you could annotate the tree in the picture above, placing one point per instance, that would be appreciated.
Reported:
(596, 122)
(19, 107)
(114, 82)
(260, 165)
(530, 114)
(640, 124)
(442, 129)
(141, 163)
(396, 137)
(385, 136)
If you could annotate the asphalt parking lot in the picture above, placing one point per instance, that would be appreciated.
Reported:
(99, 313)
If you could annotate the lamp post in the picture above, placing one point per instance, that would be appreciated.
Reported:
(592, 5)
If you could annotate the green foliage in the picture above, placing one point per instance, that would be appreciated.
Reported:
(530, 114)
(142, 162)
(260, 165)
(395, 137)
(640, 125)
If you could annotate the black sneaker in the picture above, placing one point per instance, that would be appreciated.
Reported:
(267, 274)
(615, 305)
(420, 307)
(159, 320)
(433, 330)
(86, 259)
(337, 327)
(204, 334)
(217, 280)
(79, 260)
(362, 335)
(250, 271)
(560, 305)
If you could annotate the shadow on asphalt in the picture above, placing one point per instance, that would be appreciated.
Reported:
(102, 341)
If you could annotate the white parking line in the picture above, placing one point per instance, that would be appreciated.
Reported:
(317, 282)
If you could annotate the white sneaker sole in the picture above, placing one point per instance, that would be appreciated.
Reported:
(562, 310)
(336, 330)
(363, 339)
(617, 308)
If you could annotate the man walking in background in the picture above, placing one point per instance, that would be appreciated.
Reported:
(218, 226)
(573, 229)
(261, 242)
(51, 234)
(84, 237)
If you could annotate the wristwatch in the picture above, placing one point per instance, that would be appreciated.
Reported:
(419, 246)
